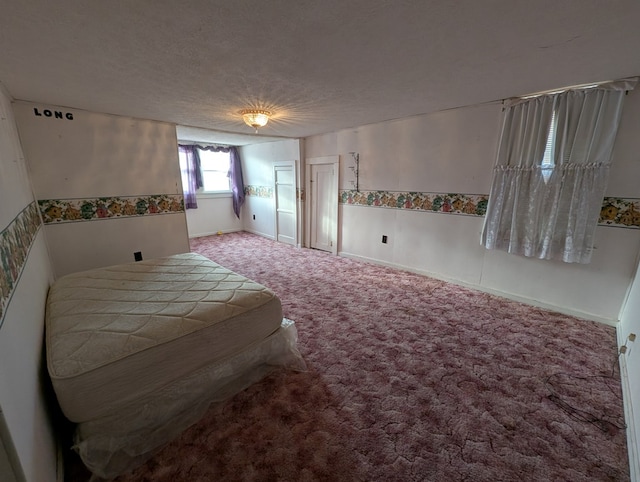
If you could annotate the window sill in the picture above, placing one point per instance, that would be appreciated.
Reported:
(213, 195)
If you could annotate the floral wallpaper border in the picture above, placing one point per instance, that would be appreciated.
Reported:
(73, 210)
(616, 212)
(620, 212)
(267, 192)
(466, 204)
(259, 191)
(15, 243)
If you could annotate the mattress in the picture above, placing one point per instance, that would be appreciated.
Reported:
(116, 334)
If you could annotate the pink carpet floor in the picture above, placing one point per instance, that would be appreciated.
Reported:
(409, 379)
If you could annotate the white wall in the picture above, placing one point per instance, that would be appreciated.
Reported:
(95, 155)
(454, 152)
(23, 392)
(258, 213)
(214, 214)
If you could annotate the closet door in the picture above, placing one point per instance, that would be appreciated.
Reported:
(323, 203)
(285, 194)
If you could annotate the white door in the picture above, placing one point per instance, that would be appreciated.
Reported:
(323, 206)
(286, 228)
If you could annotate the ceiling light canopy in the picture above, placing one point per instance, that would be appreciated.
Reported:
(255, 117)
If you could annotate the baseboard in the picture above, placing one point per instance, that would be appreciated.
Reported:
(632, 439)
(202, 235)
(258, 233)
(484, 289)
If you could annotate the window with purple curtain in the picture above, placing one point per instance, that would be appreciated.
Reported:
(192, 174)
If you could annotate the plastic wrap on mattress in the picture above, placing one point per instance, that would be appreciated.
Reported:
(114, 444)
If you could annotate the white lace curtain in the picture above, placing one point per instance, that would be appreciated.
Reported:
(550, 211)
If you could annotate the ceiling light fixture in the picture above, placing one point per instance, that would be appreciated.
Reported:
(255, 117)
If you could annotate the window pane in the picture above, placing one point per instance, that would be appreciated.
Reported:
(549, 149)
(548, 159)
(214, 161)
(215, 168)
(215, 181)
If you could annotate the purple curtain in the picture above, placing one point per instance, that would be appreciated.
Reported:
(237, 183)
(191, 175)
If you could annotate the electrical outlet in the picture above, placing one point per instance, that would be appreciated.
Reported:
(137, 255)
(254, 217)
(384, 239)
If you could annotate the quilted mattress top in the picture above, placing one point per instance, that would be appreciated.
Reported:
(97, 317)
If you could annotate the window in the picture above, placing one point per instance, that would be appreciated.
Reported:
(548, 159)
(215, 171)
(556, 219)
(211, 172)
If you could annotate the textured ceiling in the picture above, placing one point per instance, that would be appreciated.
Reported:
(319, 65)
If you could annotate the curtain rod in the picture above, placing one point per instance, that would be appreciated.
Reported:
(632, 80)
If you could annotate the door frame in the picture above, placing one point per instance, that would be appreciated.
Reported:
(292, 165)
(335, 162)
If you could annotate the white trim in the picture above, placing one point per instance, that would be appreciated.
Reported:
(225, 231)
(323, 159)
(213, 194)
(636, 273)
(632, 439)
(503, 294)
